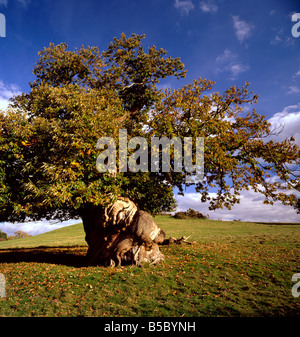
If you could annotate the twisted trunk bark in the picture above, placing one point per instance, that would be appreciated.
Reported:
(121, 234)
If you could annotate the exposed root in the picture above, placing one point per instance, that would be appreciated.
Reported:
(173, 240)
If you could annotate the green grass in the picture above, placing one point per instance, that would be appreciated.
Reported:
(233, 269)
(64, 237)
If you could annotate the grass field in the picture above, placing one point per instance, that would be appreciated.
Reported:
(233, 269)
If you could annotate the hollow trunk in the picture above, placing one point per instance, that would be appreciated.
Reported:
(121, 234)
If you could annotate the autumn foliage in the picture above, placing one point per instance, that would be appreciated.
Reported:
(48, 136)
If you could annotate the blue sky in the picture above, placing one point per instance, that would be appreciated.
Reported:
(229, 42)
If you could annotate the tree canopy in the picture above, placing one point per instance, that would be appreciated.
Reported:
(48, 136)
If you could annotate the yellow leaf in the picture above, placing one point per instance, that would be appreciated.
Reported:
(74, 163)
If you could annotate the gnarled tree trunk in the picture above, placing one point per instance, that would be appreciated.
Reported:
(121, 234)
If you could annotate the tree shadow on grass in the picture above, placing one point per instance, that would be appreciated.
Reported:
(69, 256)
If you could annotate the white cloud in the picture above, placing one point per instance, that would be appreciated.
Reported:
(297, 73)
(251, 208)
(237, 69)
(293, 89)
(6, 92)
(208, 7)
(242, 28)
(184, 6)
(289, 118)
(226, 56)
(276, 40)
(282, 37)
(229, 62)
(34, 227)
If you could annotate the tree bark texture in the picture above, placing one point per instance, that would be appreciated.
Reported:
(121, 234)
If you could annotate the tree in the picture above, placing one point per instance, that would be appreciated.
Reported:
(18, 235)
(297, 201)
(3, 236)
(239, 150)
(48, 162)
(190, 214)
(297, 206)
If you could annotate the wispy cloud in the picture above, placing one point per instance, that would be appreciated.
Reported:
(226, 56)
(228, 62)
(277, 39)
(208, 7)
(293, 89)
(243, 30)
(3, 2)
(238, 68)
(6, 92)
(184, 6)
(282, 37)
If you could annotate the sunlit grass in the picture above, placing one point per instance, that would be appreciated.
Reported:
(233, 269)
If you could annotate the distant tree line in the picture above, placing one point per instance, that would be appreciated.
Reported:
(17, 235)
(190, 214)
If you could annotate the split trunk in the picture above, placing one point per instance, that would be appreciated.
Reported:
(121, 234)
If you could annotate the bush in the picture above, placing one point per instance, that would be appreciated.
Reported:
(190, 214)
(180, 215)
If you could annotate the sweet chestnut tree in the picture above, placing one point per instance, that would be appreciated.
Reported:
(48, 136)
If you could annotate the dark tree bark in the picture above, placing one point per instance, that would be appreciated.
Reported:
(121, 234)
